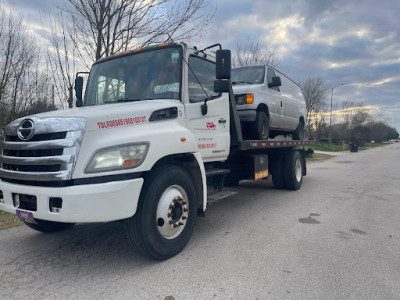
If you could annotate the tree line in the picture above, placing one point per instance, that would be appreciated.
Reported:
(37, 72)
(351, 121)
(34, 78)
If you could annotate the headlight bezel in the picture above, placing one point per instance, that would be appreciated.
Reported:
(90, 167)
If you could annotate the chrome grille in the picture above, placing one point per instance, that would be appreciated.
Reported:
(50, 154)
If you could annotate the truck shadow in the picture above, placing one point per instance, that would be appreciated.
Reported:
(103, 247)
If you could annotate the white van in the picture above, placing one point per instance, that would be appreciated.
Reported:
(269, 103)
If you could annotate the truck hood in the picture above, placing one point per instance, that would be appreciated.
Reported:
(246, 88)
(113, 115)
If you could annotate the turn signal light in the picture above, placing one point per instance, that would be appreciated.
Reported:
(249, 98)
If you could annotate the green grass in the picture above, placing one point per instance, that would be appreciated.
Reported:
(325, 147)
(339, 148)
(319, 157)
(9, 220)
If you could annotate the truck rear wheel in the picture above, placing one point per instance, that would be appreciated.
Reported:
(49, 226)
(277, 171)
(293, 170)
(166, 214)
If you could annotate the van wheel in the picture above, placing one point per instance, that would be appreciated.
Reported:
(298, 134)
(166, 214)
(260, 127)
(49, 226)
(293, 170)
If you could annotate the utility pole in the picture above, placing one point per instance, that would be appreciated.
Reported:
(330, 120)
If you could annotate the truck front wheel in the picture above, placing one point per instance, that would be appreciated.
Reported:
(166, 214)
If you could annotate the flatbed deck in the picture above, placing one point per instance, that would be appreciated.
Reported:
(267, 144)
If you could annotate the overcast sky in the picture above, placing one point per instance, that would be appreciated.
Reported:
(356, 42)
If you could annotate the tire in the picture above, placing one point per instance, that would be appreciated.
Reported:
(260, 127)
(166, 214)
(293, 170)
(298, 134)
(49, 226)
(277, 171)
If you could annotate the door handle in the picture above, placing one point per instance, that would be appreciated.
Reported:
(223, 121)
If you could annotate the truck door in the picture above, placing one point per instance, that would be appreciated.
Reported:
(211, 130)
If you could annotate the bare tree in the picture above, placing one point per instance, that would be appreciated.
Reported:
(314, 92)
(17, 54)
(105, 27)
(23, 83)
(254, 54)
(62, 58)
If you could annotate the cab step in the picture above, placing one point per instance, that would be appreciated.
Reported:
(215, 172)
(219, 196)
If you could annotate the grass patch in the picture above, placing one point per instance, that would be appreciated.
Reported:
(374, 145)
(8, 220)
(319, 157)
(325, 147)
(339, 148)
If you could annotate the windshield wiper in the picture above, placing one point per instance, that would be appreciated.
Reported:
(123, 99)
(240, 82)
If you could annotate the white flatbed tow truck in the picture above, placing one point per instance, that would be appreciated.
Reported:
(154, 141)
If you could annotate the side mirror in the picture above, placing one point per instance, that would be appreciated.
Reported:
(276, 81)
(222, 86)
(223, 67)
(78, 90)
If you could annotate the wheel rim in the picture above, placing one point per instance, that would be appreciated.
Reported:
(172, 212)
(298, 170)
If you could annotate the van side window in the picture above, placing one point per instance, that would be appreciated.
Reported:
(270, 74)
(205, 73)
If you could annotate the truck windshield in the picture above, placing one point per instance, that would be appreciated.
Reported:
(248, 75)
(147, 75)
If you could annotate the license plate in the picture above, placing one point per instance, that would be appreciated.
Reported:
(26, 217)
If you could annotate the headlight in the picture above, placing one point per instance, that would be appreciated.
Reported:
(118, 158)
(244, 99)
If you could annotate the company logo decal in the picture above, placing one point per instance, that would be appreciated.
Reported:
(210, 125)
(26, 129)
(121, 122)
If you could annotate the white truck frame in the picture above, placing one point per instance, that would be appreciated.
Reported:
(155, 165)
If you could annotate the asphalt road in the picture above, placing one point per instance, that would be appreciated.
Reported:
(336, 238)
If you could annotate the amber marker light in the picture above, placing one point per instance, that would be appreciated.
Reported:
(249, 98)
(128, 51)
(137, 49)
(163, 44)
(183, 139)
(130, 162)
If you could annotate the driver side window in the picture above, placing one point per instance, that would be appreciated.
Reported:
(270, 74)
(201, 74)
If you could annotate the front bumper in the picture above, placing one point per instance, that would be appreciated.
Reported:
(81, 203)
